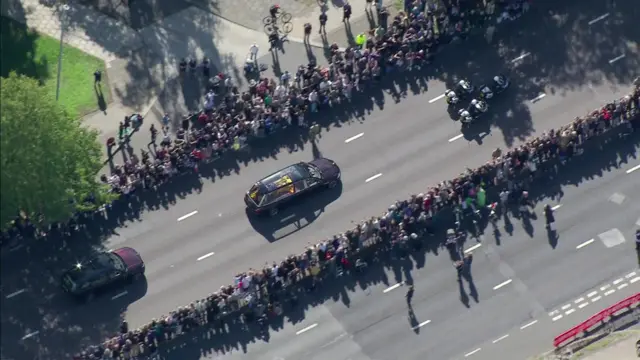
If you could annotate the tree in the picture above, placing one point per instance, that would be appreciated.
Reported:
(49, 162)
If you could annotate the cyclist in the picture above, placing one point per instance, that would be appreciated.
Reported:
(273, 10)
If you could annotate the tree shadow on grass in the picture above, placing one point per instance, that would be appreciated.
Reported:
(20, 50)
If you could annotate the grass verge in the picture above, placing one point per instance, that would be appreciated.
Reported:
(35, 55)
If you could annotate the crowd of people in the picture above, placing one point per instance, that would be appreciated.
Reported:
(230, 118)
(257, 295)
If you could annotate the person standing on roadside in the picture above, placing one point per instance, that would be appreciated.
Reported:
(346, 13)
(323, 23)
(254, 51)
(307, 32)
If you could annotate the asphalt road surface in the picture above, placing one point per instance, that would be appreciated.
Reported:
(412, 143)
(525, 289)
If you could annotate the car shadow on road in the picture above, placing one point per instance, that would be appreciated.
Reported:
(295, 216)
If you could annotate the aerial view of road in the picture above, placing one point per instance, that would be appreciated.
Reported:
(389, 145)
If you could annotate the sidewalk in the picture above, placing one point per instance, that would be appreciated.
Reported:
(622, 350)
(142, 65)
(333, 10)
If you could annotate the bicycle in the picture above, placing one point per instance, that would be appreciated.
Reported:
(284, 18)
(287, 28)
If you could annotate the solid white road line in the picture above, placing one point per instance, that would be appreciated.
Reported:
(622, 286)
(456, 138)
(554, 208)
(529, 324)
(592, 294)
(30, 335)
(16, 293)
(618, 281)
(391, 288)
(585, 244)
(472, 248)
(502, 284)
(583, 305)
(205, 256)
(633, 169)
(596, 299)
(539, 97)
(436, 99)
(119, 295)
(557, 318)
(500, 338)
(633, 281)
(609, 292)
(373, 177)
(306, 329)
(524, 55)
(617, 58)
(599, 18)
(473, 352)
(354, 138)
(188, 215)
(421, 324)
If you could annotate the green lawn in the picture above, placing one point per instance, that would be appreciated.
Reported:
(35, 55)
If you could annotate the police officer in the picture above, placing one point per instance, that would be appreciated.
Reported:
(638, 239)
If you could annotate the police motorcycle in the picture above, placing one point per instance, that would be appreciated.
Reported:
(500, 83)
(473, 111)
(451, 97)
(463, 89)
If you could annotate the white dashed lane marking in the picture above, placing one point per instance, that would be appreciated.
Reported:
(520, 57)
(556, 207)
(472, 248)
(421, 324)
(32, 334)
(373, 177)
(529, 324)
(500, 338)
(599, 18)
(436, 99)
(456, 138)
(585, 244)
(354, 138)
(205, 256)
(538, 98)
(617, 58)
(119, 295)
(310, 327)
(632, 170)
(188, 215)
(391, 288)
(502, 284)
(16, 293)
(473, 352)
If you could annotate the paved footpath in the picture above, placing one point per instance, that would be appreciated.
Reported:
(141, 58)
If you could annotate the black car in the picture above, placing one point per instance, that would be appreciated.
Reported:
(281, 187)
(103, 270)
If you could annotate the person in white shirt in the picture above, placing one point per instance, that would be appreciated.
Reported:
(254, 52)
